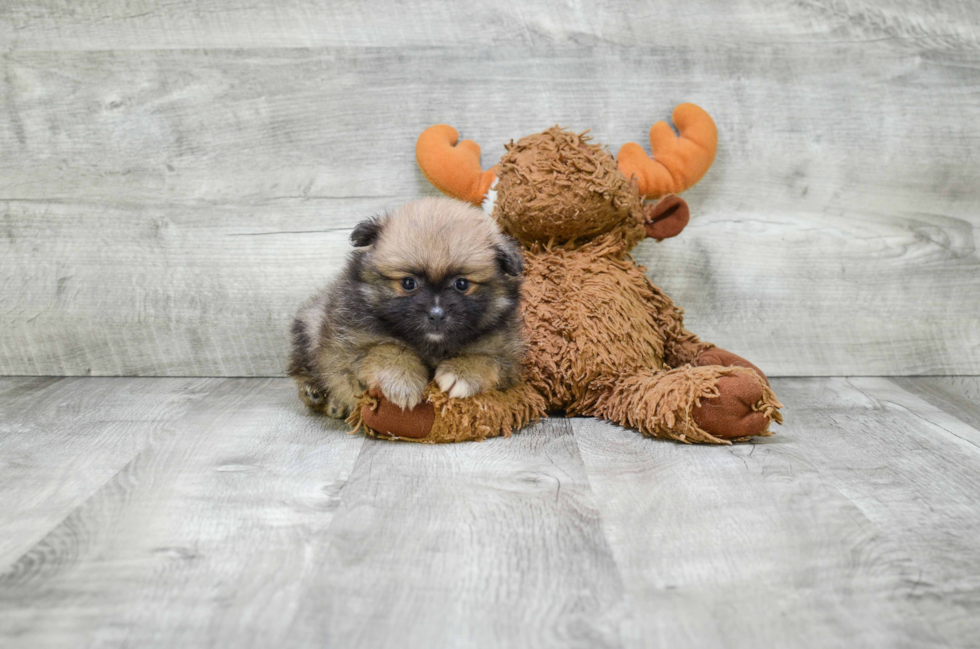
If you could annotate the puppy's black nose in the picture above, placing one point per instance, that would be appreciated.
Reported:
(436, 315)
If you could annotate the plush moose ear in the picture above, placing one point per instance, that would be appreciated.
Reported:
(366, 232)
(509, 257)
(666, 218)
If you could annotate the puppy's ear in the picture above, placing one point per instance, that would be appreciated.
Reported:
(366, 232)
(509, 256)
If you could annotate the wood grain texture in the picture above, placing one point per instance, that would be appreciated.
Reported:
(493, 544)
(144, 24)
(250, 524)
(202, 539)
(61, 440)
(957, 395)
(836, 233)
(855, 525)
(239, 520)
(208, 290)
(911, 468)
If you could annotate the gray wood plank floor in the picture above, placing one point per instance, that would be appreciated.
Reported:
(216, 513)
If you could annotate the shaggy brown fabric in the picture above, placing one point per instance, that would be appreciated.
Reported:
(443, 420)
(602, 339)
(586, 314)
(660, 404)
(590, 312)
(557, 186)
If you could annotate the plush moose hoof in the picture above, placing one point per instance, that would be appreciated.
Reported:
(723, 357)
(387, 419)
(733, 413)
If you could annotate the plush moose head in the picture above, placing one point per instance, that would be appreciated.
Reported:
(556, 186)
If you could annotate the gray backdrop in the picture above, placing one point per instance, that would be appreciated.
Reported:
(175, 178)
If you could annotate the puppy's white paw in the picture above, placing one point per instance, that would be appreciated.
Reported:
(456, 386)
(403, 390)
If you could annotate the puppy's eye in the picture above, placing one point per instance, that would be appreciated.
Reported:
(409, 284)
(462, 284)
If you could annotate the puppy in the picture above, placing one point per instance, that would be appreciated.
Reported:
(430, 291)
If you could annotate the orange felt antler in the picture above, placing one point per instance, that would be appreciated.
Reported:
(678, 162)
(453, 168)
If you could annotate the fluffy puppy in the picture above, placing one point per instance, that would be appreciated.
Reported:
(430, 290)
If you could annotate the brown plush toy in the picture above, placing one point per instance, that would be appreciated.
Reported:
(603, 341)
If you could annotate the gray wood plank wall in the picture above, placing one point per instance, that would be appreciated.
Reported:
(175, 178)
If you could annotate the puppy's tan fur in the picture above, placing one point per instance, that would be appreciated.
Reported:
(438, 235)
(351, 337)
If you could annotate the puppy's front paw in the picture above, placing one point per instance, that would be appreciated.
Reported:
(466, 376)
(456, 386)
(403, 389)
(336, 408)
(312, 395)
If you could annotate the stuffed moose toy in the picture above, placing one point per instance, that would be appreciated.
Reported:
(603, 341)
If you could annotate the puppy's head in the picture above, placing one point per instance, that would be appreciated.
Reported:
(437, 273)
